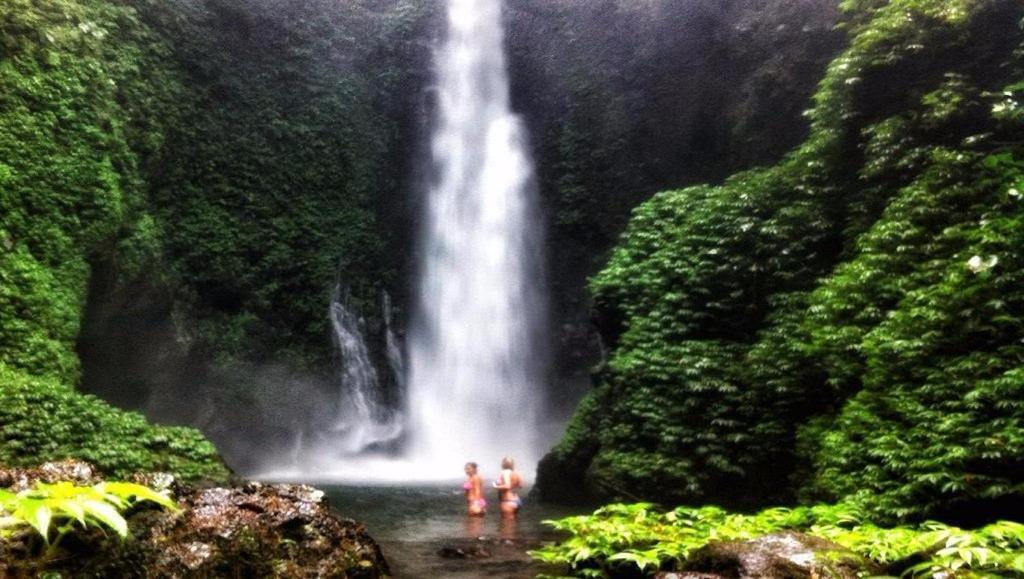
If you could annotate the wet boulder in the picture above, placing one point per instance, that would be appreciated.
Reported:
(787, 555)
(76, 471)
(251, 530)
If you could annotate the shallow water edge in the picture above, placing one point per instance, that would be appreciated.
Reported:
(415, 524)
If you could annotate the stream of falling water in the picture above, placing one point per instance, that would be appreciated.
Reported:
(364, 422)
(474, 352)
(473, 379)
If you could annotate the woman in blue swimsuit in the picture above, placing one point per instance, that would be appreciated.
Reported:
(507, 484)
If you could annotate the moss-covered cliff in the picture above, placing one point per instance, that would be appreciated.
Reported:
(74, 129)
(282, 173)
(206, 170)
(846, 322)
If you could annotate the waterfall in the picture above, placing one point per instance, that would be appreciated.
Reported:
(474, 352)
(472, 381)
(393, 348)
(363, 421)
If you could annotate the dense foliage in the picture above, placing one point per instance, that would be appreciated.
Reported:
(181, 185)
(281, 164)
(70, 146)
(846, 322)
(627, 98)
(620, 540)
(279, 176)
(273, 174)
(43, 419)
(68, 166)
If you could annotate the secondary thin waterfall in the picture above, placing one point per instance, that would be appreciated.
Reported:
(363, 421)
(475, 354)
(393, 348)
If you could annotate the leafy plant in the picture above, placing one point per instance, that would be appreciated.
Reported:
(771, 337)
(54, 510)
(621, 539)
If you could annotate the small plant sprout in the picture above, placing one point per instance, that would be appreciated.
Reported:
(54, 510)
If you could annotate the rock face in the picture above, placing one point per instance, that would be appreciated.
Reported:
(253, 530)
(787, 555)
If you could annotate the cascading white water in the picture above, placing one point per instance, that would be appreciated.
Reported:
(474, 355)
(475, 352)
(357, 441)
(363, 422)
(393, 349)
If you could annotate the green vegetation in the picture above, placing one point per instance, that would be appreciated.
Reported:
(846, 323)
(42, 420)
(147, 150)
(618, 540)
(275, 169)
(53, 510)
(68, 178)
(71, 140)
(627, 98)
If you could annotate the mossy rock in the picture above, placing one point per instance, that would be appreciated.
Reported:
(788, 555)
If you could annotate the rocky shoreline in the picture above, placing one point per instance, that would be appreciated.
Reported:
(246, 530)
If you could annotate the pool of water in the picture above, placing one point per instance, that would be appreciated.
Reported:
(413, 524)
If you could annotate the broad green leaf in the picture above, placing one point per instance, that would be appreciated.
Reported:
(108, 515)
(137, 492)
(38, 514)
(70, 507)
(6, 497)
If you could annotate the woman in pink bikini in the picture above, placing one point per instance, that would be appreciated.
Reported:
(507, 485)
(474, 487)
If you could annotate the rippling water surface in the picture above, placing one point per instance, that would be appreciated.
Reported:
(412, 524)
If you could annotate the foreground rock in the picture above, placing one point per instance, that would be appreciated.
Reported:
(252, 530)
(787, 555)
